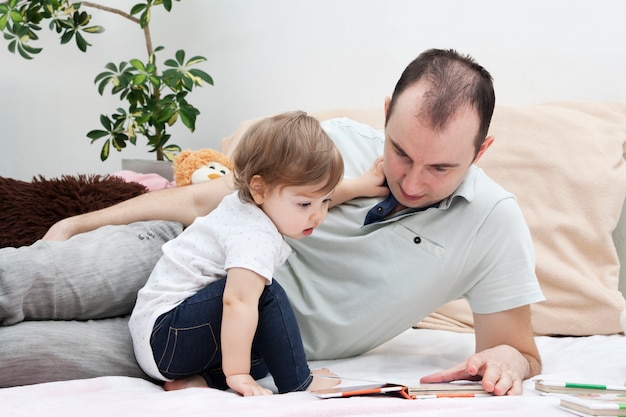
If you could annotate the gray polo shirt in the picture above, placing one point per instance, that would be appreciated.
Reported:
(355, 286)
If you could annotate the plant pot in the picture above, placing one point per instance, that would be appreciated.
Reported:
(146, 166)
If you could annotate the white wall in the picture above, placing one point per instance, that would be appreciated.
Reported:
(268, 56)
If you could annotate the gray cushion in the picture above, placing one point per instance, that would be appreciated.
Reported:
(43, 351)
(92, 275)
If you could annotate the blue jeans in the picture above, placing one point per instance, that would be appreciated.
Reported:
(186, 340)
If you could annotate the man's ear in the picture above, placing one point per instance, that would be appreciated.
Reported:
(387, 102)
(258, 189)
(484, 146)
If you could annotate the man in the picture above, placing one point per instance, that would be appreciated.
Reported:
(378, 265)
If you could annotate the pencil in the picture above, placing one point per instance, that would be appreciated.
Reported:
(585, 386)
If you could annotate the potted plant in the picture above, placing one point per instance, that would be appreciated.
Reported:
(154, 99)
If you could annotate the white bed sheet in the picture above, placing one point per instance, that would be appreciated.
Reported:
(594, 359)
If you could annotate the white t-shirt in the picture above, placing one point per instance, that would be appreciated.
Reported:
(353, 287)
(235, 234)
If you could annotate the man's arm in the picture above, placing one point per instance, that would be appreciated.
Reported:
(506, 353)
(180, 204)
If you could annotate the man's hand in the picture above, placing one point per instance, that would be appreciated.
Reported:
(506, 353)
(246, 385)
(501, 368)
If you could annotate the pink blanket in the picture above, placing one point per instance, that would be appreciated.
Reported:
(593, 359)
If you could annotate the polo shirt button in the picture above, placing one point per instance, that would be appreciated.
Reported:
(417, 240)
(379, 209)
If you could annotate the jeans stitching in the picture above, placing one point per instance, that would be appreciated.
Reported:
(173, 331)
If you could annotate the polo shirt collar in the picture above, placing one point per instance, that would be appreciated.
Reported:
(464, 190)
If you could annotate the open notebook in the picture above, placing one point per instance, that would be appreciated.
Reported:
(419, 391)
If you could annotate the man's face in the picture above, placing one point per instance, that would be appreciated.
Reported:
(423, 166)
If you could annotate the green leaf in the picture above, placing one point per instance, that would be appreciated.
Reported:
(164, 115)
(97, 134)
(138, 64)
(104, 153)
(119, 141)
(103, 85)
(31, 49)
(144, 19)
(104, 121)
(162, 141)
(94, 29)
(172, 148)
(64, 25)
(81, 42)
(173, 79)
(187, 83)
(139, 79)
(155, 81)
(16, 16)
(3, 21)
(172, 119)
(196, 60)
(82, 18)
(167, 4)
(12, 45)
(102, 75)
(180, 57)
(117, 89)
(111, 66)
(151, 68)
(188, 116)
(170, 152)
(66, 37)
(22, 52)
(201, 74)
(137, 8)
(171, 63)
(170, 73)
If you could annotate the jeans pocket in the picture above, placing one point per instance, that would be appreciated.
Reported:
(188, 351)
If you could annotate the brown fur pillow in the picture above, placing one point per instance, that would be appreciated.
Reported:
(28, 209)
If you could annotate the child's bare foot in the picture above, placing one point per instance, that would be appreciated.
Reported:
(195, 381)
(323, 379)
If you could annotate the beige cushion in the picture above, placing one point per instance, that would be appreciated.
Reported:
(565, 164)
(619, 237)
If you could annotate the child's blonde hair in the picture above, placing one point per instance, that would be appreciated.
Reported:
(288, 149)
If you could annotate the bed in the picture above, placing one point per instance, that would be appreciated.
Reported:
(565, 164)
(414, 353)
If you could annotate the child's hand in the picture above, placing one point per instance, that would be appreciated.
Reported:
(374, 180)
(245, 385)
(369, 184)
